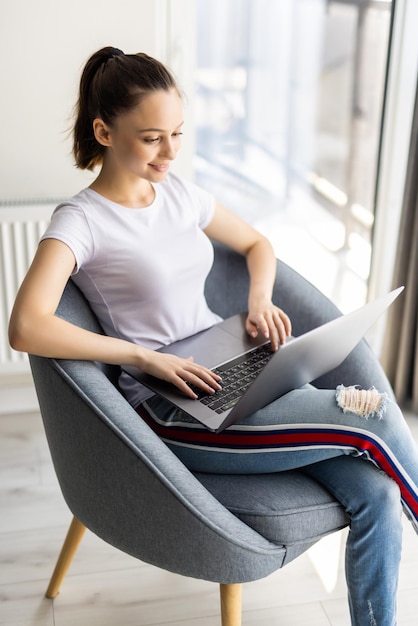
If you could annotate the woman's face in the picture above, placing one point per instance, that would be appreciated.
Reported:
(144, 141)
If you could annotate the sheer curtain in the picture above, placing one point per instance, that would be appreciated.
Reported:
(400, 348)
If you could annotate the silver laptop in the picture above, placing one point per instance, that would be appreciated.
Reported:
(253, 375)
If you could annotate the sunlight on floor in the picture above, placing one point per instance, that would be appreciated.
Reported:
(326, 556)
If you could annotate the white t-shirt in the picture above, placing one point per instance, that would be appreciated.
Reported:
(142, 270)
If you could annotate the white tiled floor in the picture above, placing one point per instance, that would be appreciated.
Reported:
(107, 588)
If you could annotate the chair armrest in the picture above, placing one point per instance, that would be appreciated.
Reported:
(307, 307)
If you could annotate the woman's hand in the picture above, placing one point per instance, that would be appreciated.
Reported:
(263, 317)
(273, 323)
(180, 372)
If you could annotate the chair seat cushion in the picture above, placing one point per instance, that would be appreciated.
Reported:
(288, 508)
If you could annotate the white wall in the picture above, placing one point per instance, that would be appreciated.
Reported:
(43, 46)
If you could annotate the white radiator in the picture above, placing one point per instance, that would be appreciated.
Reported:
(21, 225)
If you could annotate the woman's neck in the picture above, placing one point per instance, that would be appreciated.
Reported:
(135, 194)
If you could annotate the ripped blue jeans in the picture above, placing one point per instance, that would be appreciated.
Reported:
(351, 441)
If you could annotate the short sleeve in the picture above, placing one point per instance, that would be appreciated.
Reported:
(70, 225)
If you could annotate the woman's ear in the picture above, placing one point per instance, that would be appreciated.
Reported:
(101, 132)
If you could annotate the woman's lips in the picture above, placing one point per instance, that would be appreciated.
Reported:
(161, 168)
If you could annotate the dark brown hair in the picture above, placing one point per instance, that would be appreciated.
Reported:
(112, 83)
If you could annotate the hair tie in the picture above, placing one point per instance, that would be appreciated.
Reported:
(107, 54)
(115, 52)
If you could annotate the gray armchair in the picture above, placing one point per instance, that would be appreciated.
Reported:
(120, 481)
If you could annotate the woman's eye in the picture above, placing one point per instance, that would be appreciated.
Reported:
(152, 140)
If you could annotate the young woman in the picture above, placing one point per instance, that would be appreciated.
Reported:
(138, 240)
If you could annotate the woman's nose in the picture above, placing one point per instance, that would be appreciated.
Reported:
(168, 149)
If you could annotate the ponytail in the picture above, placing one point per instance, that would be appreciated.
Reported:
(112, 83)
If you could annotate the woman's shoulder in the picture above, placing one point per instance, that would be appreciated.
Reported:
(86, 205)
(184, 197)
(77, 214)
(173, 182)
(76, 203)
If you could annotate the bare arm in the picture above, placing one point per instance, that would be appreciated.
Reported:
(263, 315)
(34, 327)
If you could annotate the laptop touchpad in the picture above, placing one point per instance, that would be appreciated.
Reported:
(209, 348)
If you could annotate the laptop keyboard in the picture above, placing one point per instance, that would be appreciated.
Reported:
(237, 375)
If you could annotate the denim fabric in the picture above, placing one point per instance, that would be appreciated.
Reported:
(374, 542)
(371, 499)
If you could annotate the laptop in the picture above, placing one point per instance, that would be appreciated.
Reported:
(253, 375)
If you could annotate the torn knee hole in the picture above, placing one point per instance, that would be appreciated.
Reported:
(364, 402)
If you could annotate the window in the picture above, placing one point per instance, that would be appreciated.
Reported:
(288, 110)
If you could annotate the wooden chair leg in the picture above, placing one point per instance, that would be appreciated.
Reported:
(231, 604)
(74, 536)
